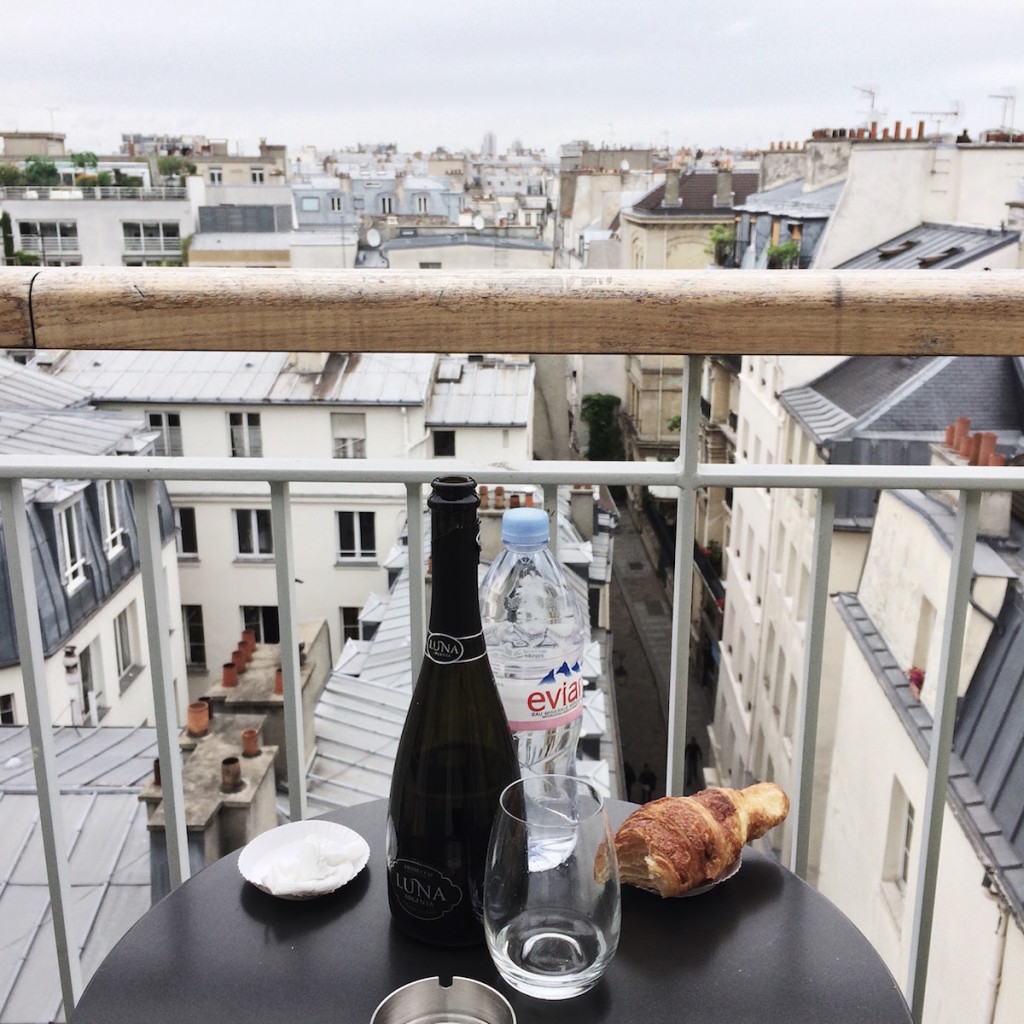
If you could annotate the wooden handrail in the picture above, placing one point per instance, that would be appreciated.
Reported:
(804, 312)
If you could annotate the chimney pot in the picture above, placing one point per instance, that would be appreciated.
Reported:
(156, 771)
(484, 496)
(230, 775)
(965, 448)
(250, 742)
(920, 129)
(238, 659)
(896, 130)
(513, 501)
(529, 499)
(962, 429)
(997, 459)
(986, 448)
(229, 674)
(499, 497)
(198, 722)
(278, 680)
(975, 448)
(950, 432)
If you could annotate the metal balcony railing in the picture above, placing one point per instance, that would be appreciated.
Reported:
(691, 314)
(122, 192)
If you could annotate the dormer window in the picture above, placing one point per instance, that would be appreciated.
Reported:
(113, 531)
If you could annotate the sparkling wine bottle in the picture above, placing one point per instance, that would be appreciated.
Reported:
(455, 755)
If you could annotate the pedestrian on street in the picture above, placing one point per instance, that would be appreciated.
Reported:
(647, 780)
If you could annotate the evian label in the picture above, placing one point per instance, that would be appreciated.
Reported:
(423, 891)
(446, 649)
(555, 700)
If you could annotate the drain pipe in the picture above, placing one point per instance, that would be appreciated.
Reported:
(994, 977)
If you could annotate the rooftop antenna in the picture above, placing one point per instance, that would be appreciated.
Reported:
(871, 92)
(1009, 99)
(939, 115)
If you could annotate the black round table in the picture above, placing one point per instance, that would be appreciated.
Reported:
(761, 946)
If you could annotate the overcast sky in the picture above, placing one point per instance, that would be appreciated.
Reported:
(427, 73)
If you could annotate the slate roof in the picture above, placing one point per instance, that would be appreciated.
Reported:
(697, 192)
(933, 246)
(888, 410)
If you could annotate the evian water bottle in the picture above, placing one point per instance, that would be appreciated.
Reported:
(536, 629)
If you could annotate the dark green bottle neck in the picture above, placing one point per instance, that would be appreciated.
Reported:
(455, 558)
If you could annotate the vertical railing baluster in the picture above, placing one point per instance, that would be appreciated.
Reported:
(165, 710)
(417, 585)
(682, 601)
(802, 784)
(954, 624)
(18, 542)
(284, 567)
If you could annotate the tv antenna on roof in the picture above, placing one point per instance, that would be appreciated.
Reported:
(871, 91)
(1009, 99)
(939, 115)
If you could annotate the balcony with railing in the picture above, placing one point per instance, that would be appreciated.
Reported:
(107, 192)
(679, 314)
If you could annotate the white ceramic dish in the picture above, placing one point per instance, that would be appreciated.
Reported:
(724, 877)
(272, 860)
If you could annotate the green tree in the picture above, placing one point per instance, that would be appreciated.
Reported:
(174, 167)
(85, 160)
(722, 245)
(41, 170)
(601, 414)
(784, 256)
(10, 174)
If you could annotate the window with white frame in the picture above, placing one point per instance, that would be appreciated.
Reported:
(386, 204)
(195, 636)
(168, 427)
(72, 546)
(256, 175)
(264, 621)
(336, 204)
(310, 204)
(124, 641)
(246, 437)
(7, 709)
(348, 431)
(899, 839)
(357, 535)
(113, 531)
(186, 538)
(216, 175)
(421, 204)
(253, 533)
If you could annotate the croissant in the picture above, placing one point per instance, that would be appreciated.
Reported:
(678, 843)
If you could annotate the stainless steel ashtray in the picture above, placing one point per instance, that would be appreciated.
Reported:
(427, 1001)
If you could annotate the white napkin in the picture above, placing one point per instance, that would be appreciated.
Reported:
(312, 864)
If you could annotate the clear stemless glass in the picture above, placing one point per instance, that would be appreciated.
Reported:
(551, 887)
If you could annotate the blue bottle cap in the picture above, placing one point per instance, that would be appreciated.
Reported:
(524, 526)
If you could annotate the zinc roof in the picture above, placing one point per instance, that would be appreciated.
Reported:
(484, 394)
(100, 771)
(933, 246)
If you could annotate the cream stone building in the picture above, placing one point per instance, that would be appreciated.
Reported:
(870, 857)
(670, 227)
